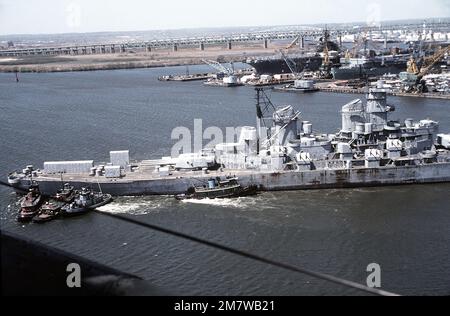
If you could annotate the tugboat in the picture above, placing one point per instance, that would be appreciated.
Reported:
(85, 201)
(29, 204)
(51, 209)
(66, 194)
(48, 212)
(218, 189)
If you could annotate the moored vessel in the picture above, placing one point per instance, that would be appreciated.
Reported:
(364, 67)
(299, 86)
(303, 61)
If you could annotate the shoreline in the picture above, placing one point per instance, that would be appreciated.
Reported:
(92, 67)
(130, 60)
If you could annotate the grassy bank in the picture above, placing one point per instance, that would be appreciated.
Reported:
(126, 60)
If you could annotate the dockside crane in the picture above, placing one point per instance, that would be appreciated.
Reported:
(430, 62)
(413, 76)
(219, 67)
(293, 43)
(291, 64)
(325, 68)
(361, 43)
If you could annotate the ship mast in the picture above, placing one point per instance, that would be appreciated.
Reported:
(258, 119)
(263, 106)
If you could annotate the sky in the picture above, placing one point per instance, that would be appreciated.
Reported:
(68, 16)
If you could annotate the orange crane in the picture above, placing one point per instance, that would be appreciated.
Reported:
(412, 66)
(413, 77)
(430, 62)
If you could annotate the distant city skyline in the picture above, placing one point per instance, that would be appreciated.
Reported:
(80, 16)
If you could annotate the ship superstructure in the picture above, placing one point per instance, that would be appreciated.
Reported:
(366, 134)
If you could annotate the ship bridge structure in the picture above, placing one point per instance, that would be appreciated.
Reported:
(367, 126)
(287, 143)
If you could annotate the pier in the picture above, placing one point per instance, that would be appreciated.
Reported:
(349, 90)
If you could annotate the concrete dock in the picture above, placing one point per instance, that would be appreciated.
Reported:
(325, 87)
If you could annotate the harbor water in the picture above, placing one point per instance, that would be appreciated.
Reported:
(84, 115)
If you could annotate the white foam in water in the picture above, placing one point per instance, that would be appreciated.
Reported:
(129, 207)
(235, 203)
(238, 203)
(143, 206)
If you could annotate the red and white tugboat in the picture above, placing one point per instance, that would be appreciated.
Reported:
(30, 204)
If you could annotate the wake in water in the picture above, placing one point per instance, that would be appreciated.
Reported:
(134, 206)
(231, 203)
(144, 206)
(243, 203)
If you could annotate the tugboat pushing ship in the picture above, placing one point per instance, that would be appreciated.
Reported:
(281, 153)
(218, 189)
(67, 202)
(30, 204)
(85, 201)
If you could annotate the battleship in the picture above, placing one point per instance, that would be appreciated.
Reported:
(282, 152)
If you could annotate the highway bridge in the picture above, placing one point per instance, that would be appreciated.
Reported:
(229, 40)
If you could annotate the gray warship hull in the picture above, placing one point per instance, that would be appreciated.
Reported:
(266, 181)
(280, 153)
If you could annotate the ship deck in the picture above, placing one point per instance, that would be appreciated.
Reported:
(150, 175)
(146, 175)
(145, 180)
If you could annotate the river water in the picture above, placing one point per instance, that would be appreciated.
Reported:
(77, 116)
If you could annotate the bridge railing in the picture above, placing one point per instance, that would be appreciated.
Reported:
(215, 40)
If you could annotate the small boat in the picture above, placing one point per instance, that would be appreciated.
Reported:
(219, 189)
(13, 179)
(30, 203)
(51, 210)
(66, 194)
(85, 201)
(48, 211)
